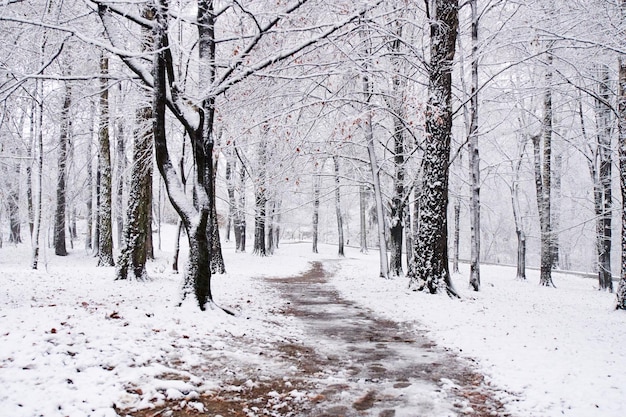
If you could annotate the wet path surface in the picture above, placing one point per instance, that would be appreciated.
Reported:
(340, 361)
(367, 366)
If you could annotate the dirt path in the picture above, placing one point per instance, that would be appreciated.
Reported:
(346, 362)
(386, 368)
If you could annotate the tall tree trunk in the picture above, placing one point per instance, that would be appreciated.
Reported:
(38, 208)
(105, 244)
(317, 184)
(555, 222)
(179, 229)
(621, 111)
(517, 216)
(59, 217)
(408, 235)
(604, 184)
(430, 267)
(15, 235)
(398, 199)
(543, 176)
(277, 219)
(378, 197)
(371, 151)
(270, 227)
(89, 186)
(340, 237)
(260, 199)
(240, 213)
(121, 168)
(231, 166)
(131, 263)
(474, 160)
(457, 235)
(218, 266)
(198, 272)
(29, 167)
(362, 220)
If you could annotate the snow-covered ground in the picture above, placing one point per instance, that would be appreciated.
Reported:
(73, 342)
(559, 351)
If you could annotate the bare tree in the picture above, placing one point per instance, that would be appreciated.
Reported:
(430, 269)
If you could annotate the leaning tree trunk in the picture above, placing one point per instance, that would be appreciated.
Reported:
(378, 195)
(340, 239)
(59, 217)
(105, 243)
(179, 229)
(430, 269)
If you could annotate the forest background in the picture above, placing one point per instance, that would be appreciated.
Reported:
(317, 120)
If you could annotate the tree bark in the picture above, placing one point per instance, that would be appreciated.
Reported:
(603, 188)
(13, 203)
(621, 125)
(398, 200)
(121, 168)
(474, 160)
(131, 263)
(105, 244)
(218, 266)
(517, 217)
(60, 212)
(457, 235)
(240, 213)
(362, 219)
(340, 237)
(317, 180)
(555, 210)
(260, 199)
(543, 175)
(430, 269)
(270, 227)
(29, 168)
(231, 166)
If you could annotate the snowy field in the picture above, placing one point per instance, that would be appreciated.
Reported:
(73, 342)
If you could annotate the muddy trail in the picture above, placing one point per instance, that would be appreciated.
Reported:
(347, 362)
